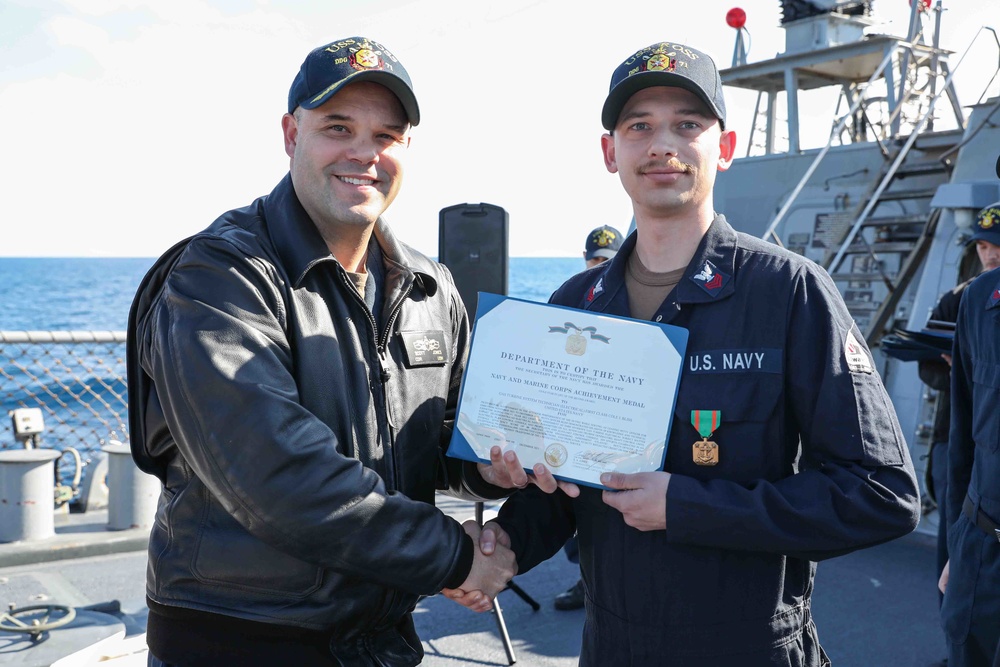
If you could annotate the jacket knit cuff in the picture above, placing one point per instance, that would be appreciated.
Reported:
(464, 564)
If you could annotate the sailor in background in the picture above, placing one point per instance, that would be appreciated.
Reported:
(970, 611)
(982, 254)
(602, 244)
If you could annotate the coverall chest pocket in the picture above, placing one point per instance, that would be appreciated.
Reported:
(985, 399)
(748, 433)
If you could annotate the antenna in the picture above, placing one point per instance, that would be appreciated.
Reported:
(737, 18)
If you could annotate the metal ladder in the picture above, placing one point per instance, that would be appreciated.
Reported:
(906, 236)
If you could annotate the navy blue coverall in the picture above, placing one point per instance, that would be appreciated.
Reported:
(970, 611)
(772, 346)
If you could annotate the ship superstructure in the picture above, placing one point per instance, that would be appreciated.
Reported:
(886, 205)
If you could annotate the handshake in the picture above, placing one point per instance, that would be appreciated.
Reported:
(494, 564)
(492, 567)
(641, 498)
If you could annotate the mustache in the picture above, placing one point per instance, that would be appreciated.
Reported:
(654, 165)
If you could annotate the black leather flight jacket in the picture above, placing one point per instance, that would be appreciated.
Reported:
(300, 445)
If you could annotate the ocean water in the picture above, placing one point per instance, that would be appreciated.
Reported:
(81, 389)
(94, 294)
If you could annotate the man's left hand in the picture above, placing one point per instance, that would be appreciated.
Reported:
(641, 497)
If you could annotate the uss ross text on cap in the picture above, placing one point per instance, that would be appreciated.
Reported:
(664, 64)
(329, 68)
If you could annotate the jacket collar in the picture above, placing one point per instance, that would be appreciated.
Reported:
(710, 275)
(301, 247)
(994, 299)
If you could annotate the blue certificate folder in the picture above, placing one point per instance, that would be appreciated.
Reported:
(925, 345)
(582, 392)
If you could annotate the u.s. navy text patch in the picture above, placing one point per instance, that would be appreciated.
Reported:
(753, 360)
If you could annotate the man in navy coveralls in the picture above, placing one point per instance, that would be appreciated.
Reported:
(970, 611)
(710, 561)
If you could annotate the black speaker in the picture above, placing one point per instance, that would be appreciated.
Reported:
(472, 243)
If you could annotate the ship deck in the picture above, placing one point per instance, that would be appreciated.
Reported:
(877, 606)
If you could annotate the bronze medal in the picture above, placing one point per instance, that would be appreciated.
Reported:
(705, 452)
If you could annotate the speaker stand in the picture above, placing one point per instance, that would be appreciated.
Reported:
(497, 612)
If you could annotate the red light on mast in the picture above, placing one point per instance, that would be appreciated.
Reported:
(737, 18)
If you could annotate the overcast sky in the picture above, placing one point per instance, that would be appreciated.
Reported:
(128, 124)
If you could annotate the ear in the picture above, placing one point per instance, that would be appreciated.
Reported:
(727, 149)
(290, 129)
(608, 148)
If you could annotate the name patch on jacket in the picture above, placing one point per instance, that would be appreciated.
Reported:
(756, 360)
(425, 348)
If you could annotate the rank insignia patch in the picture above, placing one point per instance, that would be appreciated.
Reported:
(710, 279)
(595, 290)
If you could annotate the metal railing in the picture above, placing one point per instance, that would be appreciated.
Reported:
(834, 133)
(873, 200)
(78, 381)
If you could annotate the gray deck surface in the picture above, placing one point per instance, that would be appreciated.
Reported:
(874, 608)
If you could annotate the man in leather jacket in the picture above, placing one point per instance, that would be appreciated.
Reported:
(293, 373)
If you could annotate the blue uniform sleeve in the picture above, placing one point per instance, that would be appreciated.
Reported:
(853, 483)
(538, 523)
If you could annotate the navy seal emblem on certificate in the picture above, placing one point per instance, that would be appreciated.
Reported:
(582, 393)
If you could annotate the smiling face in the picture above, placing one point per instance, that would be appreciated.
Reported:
(346, 156)
(666, 148)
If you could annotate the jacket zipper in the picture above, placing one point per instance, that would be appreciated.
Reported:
(381, 347)
(385, 374)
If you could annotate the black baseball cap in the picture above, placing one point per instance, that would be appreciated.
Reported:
(665, 64)
(987, 227)
(329, 68)
(605, 241)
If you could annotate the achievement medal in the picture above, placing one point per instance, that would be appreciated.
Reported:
(705, 452)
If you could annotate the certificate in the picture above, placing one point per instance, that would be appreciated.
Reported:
(583, 393)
